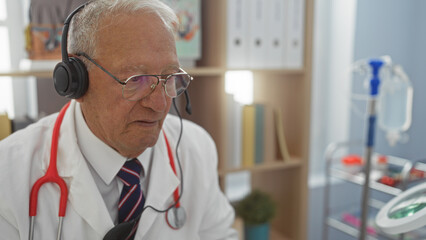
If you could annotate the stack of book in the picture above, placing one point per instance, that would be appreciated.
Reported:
(255, 134)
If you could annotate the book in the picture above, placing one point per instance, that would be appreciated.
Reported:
(269, 138)
(248, 135)
(282, 144)
(5, 126)
(234, 132)
(259, 134)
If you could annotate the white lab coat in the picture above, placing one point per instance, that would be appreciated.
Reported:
(24, 157)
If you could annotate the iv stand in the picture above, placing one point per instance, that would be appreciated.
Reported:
(374, 87)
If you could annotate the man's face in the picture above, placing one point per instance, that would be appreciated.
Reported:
(129, 45)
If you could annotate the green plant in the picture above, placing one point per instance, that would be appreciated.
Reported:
(256, 208)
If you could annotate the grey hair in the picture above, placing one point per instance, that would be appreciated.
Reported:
(83, 29)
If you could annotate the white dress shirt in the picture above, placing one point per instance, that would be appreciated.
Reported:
(105, 163)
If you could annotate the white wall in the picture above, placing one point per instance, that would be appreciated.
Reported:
(334, 29)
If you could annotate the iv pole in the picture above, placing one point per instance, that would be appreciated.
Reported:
(371, 107)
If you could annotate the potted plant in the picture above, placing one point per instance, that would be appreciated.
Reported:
(256, 209)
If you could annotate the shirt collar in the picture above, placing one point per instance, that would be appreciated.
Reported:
(104, 159)
(145, 160)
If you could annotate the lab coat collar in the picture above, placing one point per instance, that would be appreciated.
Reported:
(162, 183)
(84, 195)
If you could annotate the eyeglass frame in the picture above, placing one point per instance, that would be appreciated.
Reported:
(124, 83)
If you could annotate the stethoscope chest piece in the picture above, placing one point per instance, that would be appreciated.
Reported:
(176, 217)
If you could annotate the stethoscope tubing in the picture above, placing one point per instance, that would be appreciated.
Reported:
(53, 177)
(172, 164)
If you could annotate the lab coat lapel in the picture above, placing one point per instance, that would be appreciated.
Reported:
(87, 200)
(84, 196)
(162, 183)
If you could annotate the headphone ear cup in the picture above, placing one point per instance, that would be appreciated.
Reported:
(71, 78)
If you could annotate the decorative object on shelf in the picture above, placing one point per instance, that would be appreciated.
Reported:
(256, 209)
(44, 31)
(405, 212)
(188, 39)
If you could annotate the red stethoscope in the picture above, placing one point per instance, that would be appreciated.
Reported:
(175, 215)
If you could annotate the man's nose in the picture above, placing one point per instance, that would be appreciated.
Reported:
(157, 99)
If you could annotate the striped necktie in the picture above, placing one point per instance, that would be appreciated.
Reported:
(131, 198)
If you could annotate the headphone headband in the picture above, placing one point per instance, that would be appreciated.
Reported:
(64, 40)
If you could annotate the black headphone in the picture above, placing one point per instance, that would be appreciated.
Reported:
(70, 76)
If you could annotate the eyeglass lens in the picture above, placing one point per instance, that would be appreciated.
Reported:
(138, 87)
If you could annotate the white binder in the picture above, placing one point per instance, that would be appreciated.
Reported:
(237, 34)
(295, 30)
(276, 33)
(257, 33)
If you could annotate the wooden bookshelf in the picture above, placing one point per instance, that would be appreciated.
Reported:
(288, 89)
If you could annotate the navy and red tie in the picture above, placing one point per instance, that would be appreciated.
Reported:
(131, 198)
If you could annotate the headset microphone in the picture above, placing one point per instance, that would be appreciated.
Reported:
(188, 107)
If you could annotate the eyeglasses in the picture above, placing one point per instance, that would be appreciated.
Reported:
(139, 86)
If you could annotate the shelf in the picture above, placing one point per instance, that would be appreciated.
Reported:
(359, 179)
(354, 232)
(206, 71)
(337, 222)
(339, 225)
(293, 163)
(197, 72)
(27, 73)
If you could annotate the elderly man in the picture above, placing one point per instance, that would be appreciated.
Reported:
(116, 146)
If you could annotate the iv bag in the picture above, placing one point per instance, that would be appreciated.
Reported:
(395, 104)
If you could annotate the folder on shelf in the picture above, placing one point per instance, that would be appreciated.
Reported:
(259, 134)
(248, 135)
(276, 33)
(234, 132)
(269, 135)
(237, 34)
(282, 144)
(295, 34)
(5, 126)
(257, 33)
